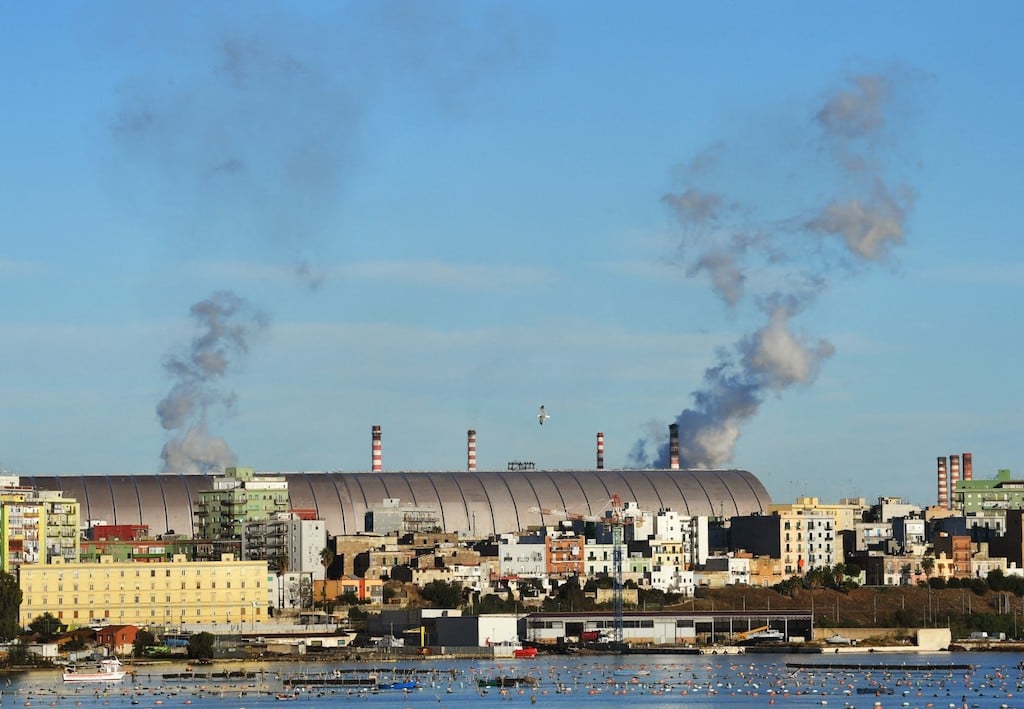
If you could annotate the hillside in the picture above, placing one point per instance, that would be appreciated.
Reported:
(960, 609)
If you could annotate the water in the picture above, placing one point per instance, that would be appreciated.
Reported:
(737, 681)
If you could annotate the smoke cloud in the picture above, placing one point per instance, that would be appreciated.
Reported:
(781, 257)
(226, 323)
(240, 134)
(255, 136)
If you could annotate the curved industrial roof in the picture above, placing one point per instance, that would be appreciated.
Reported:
(476, 502)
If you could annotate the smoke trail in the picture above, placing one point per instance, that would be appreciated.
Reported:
(781, 260)
(257, 135)
(226, 323)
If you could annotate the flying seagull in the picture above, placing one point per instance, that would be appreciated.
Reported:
(542, 415)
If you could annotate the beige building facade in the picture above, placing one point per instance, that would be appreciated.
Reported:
(158, 593)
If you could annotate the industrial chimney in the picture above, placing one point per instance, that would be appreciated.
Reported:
(673, 446)
(943, 483)
(954, 476)
(968, 467)
(377, 453)
(471, 450)
(600, 451)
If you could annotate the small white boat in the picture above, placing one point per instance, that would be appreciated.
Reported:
(108, 671)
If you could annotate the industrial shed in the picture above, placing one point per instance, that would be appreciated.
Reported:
(478, 502)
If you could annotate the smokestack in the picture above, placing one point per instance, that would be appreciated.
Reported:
(968, 467)
(673, 446)
(600, 451)
(471, 450)
(378, 460)
(943, 484)
(954, 476)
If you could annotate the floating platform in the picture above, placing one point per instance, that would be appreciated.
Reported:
(866, 666)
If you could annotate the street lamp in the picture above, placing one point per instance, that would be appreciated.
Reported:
(254, 616)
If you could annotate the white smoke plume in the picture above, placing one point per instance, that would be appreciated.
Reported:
(781, 260)
(226, 324)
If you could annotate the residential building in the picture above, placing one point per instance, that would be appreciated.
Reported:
(952, 555)
(909, 533)
(289, 541)
(159, 593)
(801, 538)
(845, 513)
(563, 555)
(138, 550)
(371, 590)
(522, 556)
(890, 507)
(978, 495)
(118, 639)
(669, 571)
(38, 526)
(599, 561)
(240, 496)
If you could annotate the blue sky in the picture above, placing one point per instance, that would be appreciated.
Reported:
(438, 216)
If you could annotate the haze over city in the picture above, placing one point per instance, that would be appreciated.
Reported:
(248, 236)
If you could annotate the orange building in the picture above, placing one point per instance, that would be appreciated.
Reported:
(564, 556)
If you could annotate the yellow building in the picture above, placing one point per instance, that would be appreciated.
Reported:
(847, 513)
(38, 526)
(157, 593)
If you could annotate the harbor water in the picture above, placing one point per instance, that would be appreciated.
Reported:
(861, 681)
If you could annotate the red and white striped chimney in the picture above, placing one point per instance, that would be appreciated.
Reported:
(600, 451)
(673, 446)
(968, 467)
(943, 483)
(471, 450)
(954, 476)
(377, 452)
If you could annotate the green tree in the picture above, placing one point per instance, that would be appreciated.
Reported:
(143, 639)
(279, 565)
(326, 558)
(200, 646)
(491, 603)
(46, 626)
(10, 602)
(442, 594)
(17, 654)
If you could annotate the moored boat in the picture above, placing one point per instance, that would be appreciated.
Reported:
(108, 671)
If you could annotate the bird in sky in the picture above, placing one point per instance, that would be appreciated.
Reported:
(542, 415)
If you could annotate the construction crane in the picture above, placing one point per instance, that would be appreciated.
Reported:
(616, 520)
(562, 514)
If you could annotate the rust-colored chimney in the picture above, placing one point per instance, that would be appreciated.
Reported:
(954, 476)
(673, 446)
(968, 467)
(600, 451)
(471, 450)
(376, 452)
(943, 483)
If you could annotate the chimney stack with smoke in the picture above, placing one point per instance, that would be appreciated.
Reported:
(471, 450)
(377, 453)
(673, 446)
(968, 467)
(943, 483)
(600, 451)
(954, 476)
(843, 209)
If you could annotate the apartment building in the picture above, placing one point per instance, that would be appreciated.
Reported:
(240, 496)
(38, 526)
